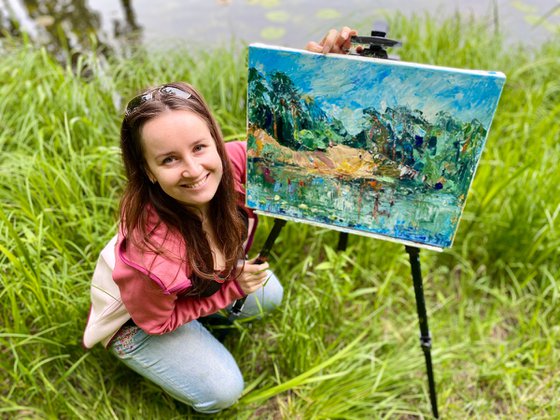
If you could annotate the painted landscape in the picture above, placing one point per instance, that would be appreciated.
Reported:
(373, 147)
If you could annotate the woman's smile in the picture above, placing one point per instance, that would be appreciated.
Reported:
(198, 184)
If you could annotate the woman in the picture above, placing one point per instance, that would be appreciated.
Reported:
(180, 251)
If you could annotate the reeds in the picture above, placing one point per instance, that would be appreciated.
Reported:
(345, 343)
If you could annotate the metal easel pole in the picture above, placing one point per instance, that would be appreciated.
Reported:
(425, 337)
(342, 241)
(376, 44)
(263, 256)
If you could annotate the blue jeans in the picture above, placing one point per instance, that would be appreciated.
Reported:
(189, 363)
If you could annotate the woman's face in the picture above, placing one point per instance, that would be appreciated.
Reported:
(181, 156)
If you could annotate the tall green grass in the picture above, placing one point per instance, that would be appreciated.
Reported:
(345, 343)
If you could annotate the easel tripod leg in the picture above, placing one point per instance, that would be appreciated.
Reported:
(342, 241)
(235, 310)
(425, 337)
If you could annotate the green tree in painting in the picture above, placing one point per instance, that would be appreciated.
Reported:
(376, 133)
(294, 119)
(259, 101)
(286, 105)
(311, 141)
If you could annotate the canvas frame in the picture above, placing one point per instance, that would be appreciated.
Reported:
(401, 141)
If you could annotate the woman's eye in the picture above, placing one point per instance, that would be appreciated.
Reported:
(198, 147)
(167, 160)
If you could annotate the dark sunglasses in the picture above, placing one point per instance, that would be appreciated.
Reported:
(148, 96)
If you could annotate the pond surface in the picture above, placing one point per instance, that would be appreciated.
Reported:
(161, 24)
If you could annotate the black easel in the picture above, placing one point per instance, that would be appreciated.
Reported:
(237, 307)
(425, 337)
(376, 44)
(374, 47)
(414, 258)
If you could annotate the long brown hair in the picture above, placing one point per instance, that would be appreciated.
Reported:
(140, 193)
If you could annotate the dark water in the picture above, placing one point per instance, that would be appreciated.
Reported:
(162, 24)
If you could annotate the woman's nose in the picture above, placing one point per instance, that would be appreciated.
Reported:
(191, 168)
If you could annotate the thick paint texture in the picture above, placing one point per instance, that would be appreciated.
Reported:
(374, 147)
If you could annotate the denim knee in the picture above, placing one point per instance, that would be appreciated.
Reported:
(273, 293)
(214, 396)
(265, 299)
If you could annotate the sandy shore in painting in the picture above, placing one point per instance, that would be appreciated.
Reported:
(337, 160)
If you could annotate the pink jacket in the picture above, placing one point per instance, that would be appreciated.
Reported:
(151, 285)
(152, 296)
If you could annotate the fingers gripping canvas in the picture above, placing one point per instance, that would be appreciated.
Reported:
(369, 146)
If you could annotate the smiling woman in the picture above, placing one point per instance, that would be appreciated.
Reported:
(180, 253)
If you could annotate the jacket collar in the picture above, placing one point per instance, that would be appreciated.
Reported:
(166, 262)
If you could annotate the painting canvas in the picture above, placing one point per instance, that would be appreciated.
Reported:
(369, 146)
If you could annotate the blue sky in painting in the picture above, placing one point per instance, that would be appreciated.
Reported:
(344, 86)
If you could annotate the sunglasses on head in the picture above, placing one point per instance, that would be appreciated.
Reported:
(148, 96)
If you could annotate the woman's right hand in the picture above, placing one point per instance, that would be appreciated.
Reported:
(253, 276)
(333, 42)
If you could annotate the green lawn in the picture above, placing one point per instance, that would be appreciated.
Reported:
(346, 343)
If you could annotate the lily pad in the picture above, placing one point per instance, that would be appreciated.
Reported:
(264, 3)
(278, 16)
(273, 32)
(327, 14)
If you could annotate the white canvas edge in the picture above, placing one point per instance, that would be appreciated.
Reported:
(384, 61)
(349, 230)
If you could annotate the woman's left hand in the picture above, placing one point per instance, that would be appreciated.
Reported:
(253, 275)
(333, 42)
